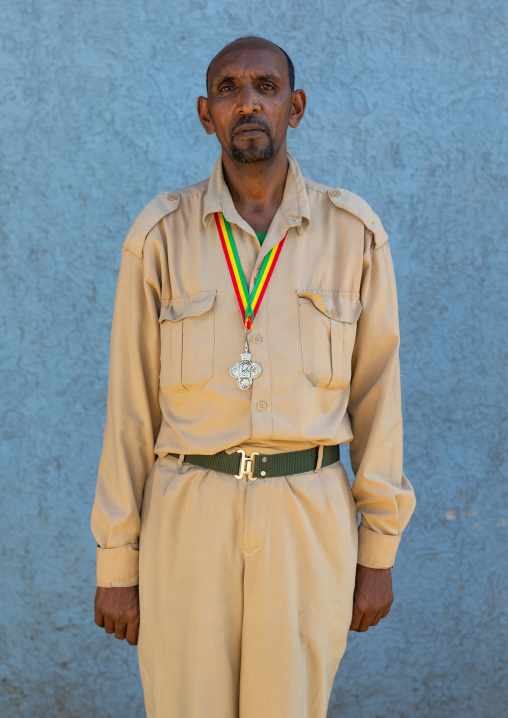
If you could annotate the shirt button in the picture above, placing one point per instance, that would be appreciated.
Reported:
(334, 193)
(256, 273)
(263, 473)
(172, 196)
(261, 405)
(334, 314)
(256, 338)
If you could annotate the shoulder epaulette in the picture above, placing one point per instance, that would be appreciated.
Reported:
(155, 210)
(351, 202)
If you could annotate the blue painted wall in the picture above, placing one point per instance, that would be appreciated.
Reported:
(408, 108)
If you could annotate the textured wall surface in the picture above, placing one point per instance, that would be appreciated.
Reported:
(408, 108)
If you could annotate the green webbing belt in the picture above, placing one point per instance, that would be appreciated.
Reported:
(285, 464)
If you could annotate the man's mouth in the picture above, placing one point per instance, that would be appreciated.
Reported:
(249, 130)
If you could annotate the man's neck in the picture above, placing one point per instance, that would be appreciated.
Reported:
(257, 188)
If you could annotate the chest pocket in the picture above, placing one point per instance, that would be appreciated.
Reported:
(187, 330)
(328, 322)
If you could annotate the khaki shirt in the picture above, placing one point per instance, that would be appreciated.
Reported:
(326, 336)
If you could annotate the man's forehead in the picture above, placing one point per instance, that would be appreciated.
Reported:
(242, 60)
(235, 72)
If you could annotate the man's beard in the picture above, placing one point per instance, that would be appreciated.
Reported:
(253, 153)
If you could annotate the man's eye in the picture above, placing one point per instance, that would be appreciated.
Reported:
(267, 86)
(225, 87)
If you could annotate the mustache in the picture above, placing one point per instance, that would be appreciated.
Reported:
(251, 120)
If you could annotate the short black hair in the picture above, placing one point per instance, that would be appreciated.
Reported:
(291, 67)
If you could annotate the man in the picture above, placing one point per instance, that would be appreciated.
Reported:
(255, 329)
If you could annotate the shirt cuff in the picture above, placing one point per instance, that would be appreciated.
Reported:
(118, 567)
(376, 550)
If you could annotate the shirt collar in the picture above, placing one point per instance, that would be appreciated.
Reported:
(294, 205)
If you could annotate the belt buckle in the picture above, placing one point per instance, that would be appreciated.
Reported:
(247, 465)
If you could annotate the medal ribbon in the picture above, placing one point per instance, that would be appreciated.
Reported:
(249, 304)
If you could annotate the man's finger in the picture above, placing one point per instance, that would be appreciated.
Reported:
(99, 618)
(364, 623)
(386, 611)
(377, 618)
(120, 629)
(109, 626)
(356, 619)
(132, 633)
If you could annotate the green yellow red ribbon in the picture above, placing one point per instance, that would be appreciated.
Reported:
(249, 304)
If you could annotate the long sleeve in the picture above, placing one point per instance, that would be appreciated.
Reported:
(132, 423)
(384, 496)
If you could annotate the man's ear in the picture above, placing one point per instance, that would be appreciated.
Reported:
(204, 115)
(298, 105)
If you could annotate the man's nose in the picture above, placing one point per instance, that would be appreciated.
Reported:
(248, 101)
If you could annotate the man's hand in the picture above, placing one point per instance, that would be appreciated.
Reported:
(117, 611)
(373, 597)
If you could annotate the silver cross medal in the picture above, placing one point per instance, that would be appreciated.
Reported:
(245, 370)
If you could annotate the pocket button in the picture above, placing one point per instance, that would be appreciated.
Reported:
(334, 314)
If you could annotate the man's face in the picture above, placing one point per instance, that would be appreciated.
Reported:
(249, 101)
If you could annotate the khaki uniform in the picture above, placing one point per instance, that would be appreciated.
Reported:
(246, 586)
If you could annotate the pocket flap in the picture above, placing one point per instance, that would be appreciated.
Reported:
(182, 307)
(339, 306)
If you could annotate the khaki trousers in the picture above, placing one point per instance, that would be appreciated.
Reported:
(246, 591)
